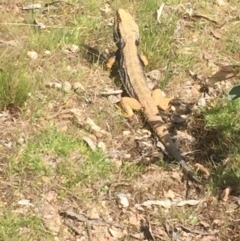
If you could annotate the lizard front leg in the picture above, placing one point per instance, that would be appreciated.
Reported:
(160, 100)
(111, 61)
(143, 59)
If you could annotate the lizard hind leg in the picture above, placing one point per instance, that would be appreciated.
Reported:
(129, 104)
(160, 100)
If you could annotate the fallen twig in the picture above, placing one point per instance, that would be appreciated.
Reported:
(198, 232)
(33, 25)
(83, 218)
(111, 92)
(71, 226)
(89, 231)
(159, 12)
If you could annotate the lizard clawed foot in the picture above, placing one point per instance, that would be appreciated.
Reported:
(189, 173)
(191, 176)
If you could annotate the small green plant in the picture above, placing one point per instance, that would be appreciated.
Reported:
(15, 85)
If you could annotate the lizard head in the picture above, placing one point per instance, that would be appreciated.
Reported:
(125, 28)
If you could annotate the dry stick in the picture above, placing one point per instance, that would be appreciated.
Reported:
(89, 231)
(55, 2)
(186, 229)
(71, 226)
(33, 25)
(76, 230)
(96, 221)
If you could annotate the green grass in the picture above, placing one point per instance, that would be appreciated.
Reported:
(130, 170)
(60, 161)
(232, 44)
(19, 227)
(15, 83)
(86, 170)
(223, 117)
(50, 153)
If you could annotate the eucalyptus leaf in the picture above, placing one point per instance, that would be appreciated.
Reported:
(234, 93)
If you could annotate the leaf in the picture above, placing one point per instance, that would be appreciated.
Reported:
(234, 93)
(216, 34)
(225, 73)
(39, 24)
(159, 12)
(90, 143)
(32, 6)
(163, 203)
(25, 202)
(116, 233)
(225, 194)
(203, 170)
(169, 194)
(188, 202)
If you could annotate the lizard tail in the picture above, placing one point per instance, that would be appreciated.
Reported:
(164, 136)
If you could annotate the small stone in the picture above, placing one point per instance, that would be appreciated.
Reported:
(32, 6)
(32, 54)
(221, 2)
(194, 91)
(114, 99)
(126, 133)
(21, 140)
(73, 48)
(151, 83)
(40, 96)
(25, 202)
(179, 119)
(8, 144)
(101, 145)
(78, 86)
(55, 85)
(67, 87)
(122, 200)
(202, 102)
(154, 75)
(47, 52)
(127, 156)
